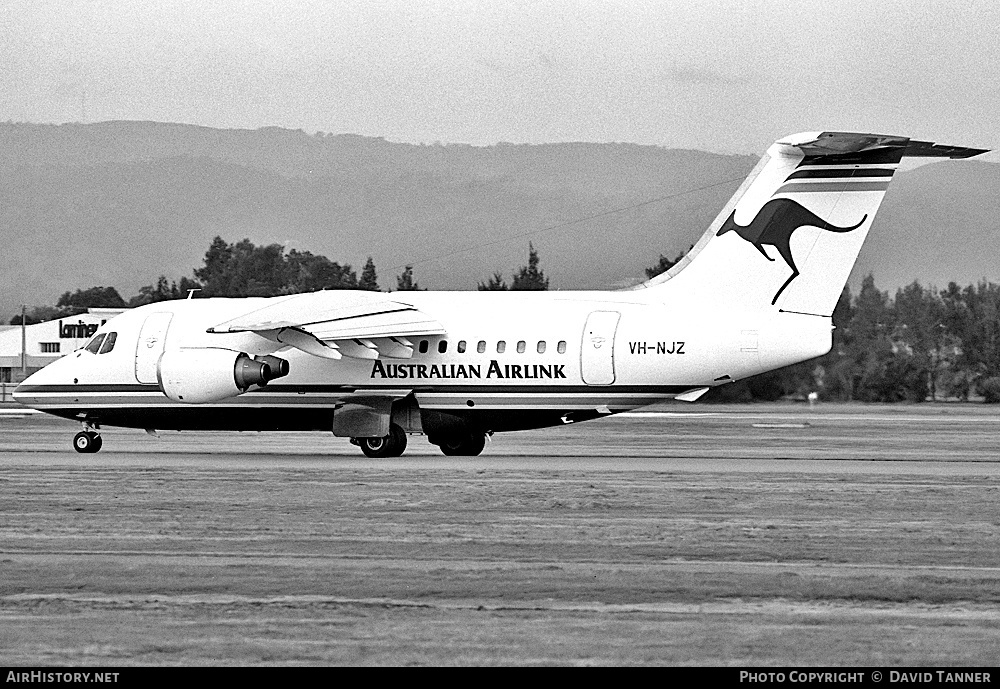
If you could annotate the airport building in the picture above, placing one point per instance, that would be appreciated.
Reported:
(25, 350)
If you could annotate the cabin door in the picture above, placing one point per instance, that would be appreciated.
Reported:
(150, 346)
(597, 351)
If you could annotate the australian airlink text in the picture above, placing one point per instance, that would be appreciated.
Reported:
(62, 677)
(495, 370)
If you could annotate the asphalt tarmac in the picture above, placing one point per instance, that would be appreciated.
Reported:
(843, 535)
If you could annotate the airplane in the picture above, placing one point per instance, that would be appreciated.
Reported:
(461, 366)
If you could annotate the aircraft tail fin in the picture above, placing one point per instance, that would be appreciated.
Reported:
(789, 237)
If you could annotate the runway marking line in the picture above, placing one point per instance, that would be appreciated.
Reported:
(488, 564)
(719, 607)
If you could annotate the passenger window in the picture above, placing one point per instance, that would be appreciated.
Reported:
(109, 343)
(481, 347)
(501, 347)
(561, 348)
(443, 346)
(541, 347)
(94, 346)
(520, 347)
(423, 346)
(461, 346)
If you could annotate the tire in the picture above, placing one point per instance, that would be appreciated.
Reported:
(374, 447)
(87, 442)
(391, 445)
(397, 441)
(470, 445)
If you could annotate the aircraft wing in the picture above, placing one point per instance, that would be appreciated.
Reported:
(333, 324)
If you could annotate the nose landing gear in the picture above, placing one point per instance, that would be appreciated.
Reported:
(88, 440)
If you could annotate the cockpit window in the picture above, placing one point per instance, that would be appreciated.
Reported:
(109, 343)
(94, 345)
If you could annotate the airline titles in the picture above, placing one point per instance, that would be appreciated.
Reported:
(442, 371)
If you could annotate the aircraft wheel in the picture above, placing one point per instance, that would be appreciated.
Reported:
(374, 447)
(397, 437)
(470, 445)
(391, 445)
(87, 442)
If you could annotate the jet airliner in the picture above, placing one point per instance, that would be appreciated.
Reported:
(754, 294)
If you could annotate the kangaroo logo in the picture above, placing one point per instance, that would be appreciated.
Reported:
(774, 225)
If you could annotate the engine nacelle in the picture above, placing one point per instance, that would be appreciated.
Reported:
(196, 376)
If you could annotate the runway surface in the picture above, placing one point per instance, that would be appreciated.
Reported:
(750, 535)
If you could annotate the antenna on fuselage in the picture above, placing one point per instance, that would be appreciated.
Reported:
(192, 291)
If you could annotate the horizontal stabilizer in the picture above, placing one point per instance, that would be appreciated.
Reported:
(926, 149)
(843, 144)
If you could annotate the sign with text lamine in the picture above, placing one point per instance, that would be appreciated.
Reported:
(78, 330)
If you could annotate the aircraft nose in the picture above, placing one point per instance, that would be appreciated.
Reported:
(27, 392)
(21, 392)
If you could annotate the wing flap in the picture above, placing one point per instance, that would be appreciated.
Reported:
(394, 347)
(308, 343)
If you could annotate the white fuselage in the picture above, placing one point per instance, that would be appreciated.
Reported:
(510, 360)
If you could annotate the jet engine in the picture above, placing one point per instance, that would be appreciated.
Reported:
(196, 376)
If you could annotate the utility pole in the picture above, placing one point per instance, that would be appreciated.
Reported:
(24, 344)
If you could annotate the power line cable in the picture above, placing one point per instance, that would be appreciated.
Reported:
(568, 223)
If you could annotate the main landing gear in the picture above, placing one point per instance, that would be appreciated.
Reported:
(88, 441)
(469, 444)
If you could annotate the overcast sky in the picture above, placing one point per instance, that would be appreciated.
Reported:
(721, 76)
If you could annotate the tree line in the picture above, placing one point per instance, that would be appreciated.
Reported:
(922, 343)
(243, 269)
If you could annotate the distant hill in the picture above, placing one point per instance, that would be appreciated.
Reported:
(938, 224)
(120, 203)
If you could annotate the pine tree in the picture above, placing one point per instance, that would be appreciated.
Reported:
(664, 264)
(369, 278)
(495, 284)
(529, 277)
(405, 282)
